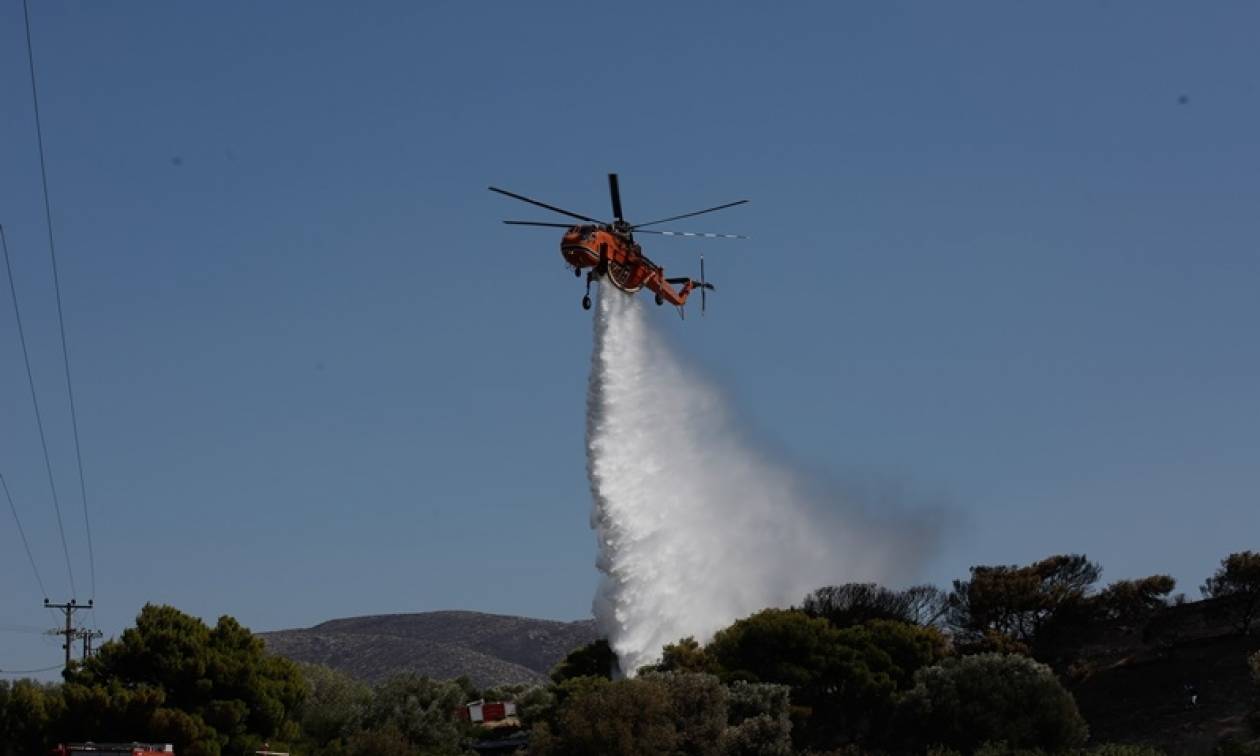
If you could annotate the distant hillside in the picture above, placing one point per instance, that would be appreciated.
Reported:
(489, 648)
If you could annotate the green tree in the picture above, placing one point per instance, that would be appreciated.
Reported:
(504, 692)
(1016, 603)
(1123, 749)
(843, 681)
(1134, 601)
(909, 647)
(759, 721)
(382, 741)
(204, 689)
(698, 705)
(1237, 579)
(595, 659)
(658, 712)
(27, 712)
(333, 707)
(758, 736)
(857, 603)
(118, 713)
(687, 655)
(783, 646)
(421, 709)
(964, 702)
(631, 717)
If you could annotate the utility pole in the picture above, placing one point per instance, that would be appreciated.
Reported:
(87, 636)
(69, 630)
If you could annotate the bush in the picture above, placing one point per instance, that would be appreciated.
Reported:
(420, 709)
(761, 735)
(622, 718)
(699, 704)
(334, 705)
(385, 741)
(759, 720)
(965, 702)
(1231, 747)
(1123, 749)
(1254, 717)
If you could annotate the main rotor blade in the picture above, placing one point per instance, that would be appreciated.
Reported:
(688, 233)
(536, 223)
(688, 215)
(615, 192)
(552, 208)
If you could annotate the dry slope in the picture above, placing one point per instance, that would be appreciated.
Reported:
(488, 648)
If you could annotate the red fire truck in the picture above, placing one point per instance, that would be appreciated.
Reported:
(113, 749)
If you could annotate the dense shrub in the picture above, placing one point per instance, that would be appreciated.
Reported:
(420, 709)
(758, 720)
(333, 708)
(971, 700)
(624, 718)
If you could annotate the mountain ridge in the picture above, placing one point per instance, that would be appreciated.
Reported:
(490, 649)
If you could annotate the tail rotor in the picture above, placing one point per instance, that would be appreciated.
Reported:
(704, 300)
(705, 287)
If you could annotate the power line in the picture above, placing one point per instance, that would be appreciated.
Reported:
(39, 420)
(22, 629)
(25, 544)
(61, 321)
(28, 671)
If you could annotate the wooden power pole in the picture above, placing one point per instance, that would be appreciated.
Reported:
(87, 636)
(69, 631)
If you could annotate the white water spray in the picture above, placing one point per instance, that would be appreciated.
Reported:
(696, 527)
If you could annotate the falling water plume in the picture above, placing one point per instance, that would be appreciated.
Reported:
(696, 525)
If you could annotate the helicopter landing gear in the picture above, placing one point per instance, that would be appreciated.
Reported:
(586, 300)
(659, 300)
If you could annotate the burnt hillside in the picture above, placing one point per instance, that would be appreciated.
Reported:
(1133, 683)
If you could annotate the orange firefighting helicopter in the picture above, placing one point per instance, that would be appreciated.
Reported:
(610, 251)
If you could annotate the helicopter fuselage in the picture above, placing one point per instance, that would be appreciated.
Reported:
(613, 256)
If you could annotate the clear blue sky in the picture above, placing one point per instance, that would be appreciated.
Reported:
(994, 258)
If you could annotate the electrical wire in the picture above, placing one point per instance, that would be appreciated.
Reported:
(22, 629)
(25, 543)
(39, 420)
(61, 321)
(29, 671)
